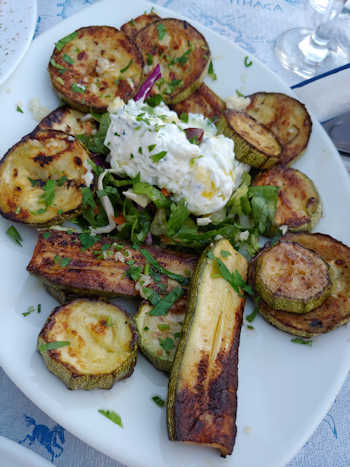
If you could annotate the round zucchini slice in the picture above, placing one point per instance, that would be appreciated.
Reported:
(335, 310)
(41, 178)
(69, 121)
(182, 52)
(299, 205)
(159, 335)
(286, 117)
(89, 344)
(94, 65)
(293, 278)
(254, 143)
(132, 27)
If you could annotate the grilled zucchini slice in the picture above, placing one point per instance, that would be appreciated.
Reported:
(202, 398)
(98, 64)
(182, 52)
(335, 310)
(159, 335)
(286, 117)
(254, 143)
(101, 344)
(60, 260)
(204, 101)
(41, 178)
(293, 278)
(132, 27)
(69, 121)
(299, 205)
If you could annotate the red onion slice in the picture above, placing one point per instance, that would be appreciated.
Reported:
(194, 135)
(147, 86)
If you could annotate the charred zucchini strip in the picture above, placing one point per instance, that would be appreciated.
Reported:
(299, 204)
(100, 344)
(97, 65)
(292, 278)
(204, 101)
(335, 310)
(182, 52)
(203, 381)
(70, 121)
(103, 269)
(159, 335)
(132, 27)
(41, 178)
(286, 117)
(254, 144)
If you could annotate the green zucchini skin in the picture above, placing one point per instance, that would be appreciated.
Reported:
(149, 333)
(301, 283)
(90, 317)
(335, 310)
(203, 381)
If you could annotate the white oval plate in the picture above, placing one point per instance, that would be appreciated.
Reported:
(17, 26)
(13, 454)
(284, 389)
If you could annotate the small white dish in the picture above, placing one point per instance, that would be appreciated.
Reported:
(13, 454)
(17, 26)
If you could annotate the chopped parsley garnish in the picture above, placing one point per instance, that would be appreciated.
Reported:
(62, 260)
(263, 200)
(61, 181)
(151, 295)
(184, 117)
(247, 62)
(155, 195)
(76, 87)
(112, 416)
(59, 80)
(88, 198)
(53, 345)
(177, 335)
(46, 235)
(167, 344)
(234, 279)
(134, 272)
(251, 317)
(180, 60)
(153, 262)
(29, 311)
(158, 400)
(123, 70)
(87, 240)
(211, 71)
(164, 304)
(151, 147)
(149, 59)
(298, 340)
(161, 30)
(225, 253)
(68, 59)
(239, 94)
(250, 327)
(13, 233)
(163, 327)
(140, 150)
(19, 109)
(159, 156)
(57, 65)
(62, 42)
(155, 100)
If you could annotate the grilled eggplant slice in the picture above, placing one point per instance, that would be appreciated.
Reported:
(101, 344)
(132, 27)
(204, 101)
(293, 278)
(69, 121)
(202, 398)
(60, 261)
(182, 52)
(41, 178)
(299, 205)
(97, 64)
(156, 331)
(335, 310)
(286, 117)
(254, 143)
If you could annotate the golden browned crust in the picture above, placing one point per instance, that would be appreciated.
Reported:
(99, 64)
(132, 27)
(68, 120)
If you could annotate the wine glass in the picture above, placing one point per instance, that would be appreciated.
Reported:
(308, 52)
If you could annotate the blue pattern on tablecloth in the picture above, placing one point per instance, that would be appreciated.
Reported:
(247, 23)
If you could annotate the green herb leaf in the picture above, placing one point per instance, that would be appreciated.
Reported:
(123, 70)
(56, 65)
(264, 204)
(87, 240)
(153, 262)
(88, 198)
(62, 261)
(151, 147)
(95, 143)
(225, 253)
(247, 62)
(151, 295)
(211, 71)
(157, 157)
(62, 42)
(184, 117)
(112, 416)
(178, 214)
(13, 233)
(149, 59)
(155, 100)
(234, 279)
(161, 30)
(168, 344)
(59, 80)
(164, 304)
(46, 235)
(152, 192)
(239, 94)
(163, 327)
(29, 311)
(251, 317)
(299, 340)
(53, 345)
(19, 109)
(158, 400)
(61, 181)
(76, 87)
(68, 59)
(134, 272)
